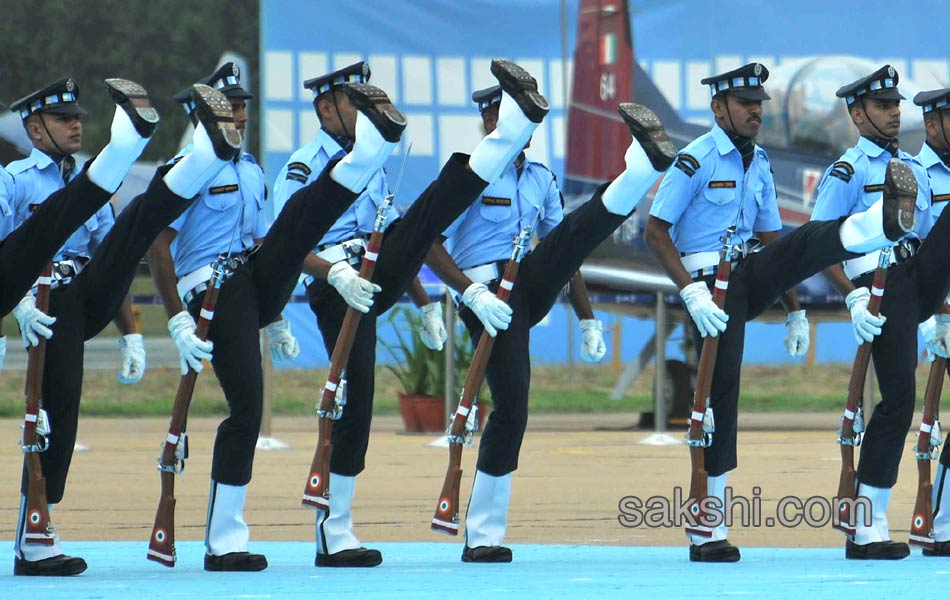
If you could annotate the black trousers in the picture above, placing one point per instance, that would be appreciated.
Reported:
(405, 246)
(914, 290)
(83, 308)
(30, 247)
(756, 283)
(251, 298)
(541, 276)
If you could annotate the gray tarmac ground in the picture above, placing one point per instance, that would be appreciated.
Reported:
(571, 478)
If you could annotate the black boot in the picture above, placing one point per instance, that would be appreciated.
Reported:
(375, 104)
(214, 112)
(718, 552)
(900, 200)
(133, 99)
(522, 87)
(645, 126)
(235, 561)
(487, 554)
(889, 550)
(939, 549)
(55, 566)
(357, 557)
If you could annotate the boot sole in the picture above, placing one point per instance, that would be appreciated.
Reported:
(646, 127)
(214, 112)
(714, 552)
(893, 551)
(900, 198)
(244, 564)
(367, 559)
(520, 85)
(68, 568)
(497, 554)
(375, 104)
(133, 99)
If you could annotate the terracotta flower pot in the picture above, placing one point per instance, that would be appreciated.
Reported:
(430, 411)
(407, 410)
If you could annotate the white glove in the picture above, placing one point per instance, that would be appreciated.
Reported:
(191, 349)
(864, 324)
(356, 292)
(133, 358)
(433, 326)
(283, 345)
(593, 347)
(32, 321)
(797, 334)
(709, 318)
(3, 349)
(938, 342)
(492, 312)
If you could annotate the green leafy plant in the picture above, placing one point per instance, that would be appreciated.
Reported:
(421, 371)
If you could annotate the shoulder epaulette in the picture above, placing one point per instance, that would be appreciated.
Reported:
(686, 163)
(299, 166)
(842, 170)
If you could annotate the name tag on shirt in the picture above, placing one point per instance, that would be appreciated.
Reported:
(940, 198)
(877, 187)
(495, 201)
(223, 189)
(722, 184)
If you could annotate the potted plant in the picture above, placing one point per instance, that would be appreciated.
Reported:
(421, 372)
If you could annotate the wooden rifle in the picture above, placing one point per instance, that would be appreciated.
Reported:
(161, 545)
(317, 489)
(701, 423)
(39, 530)
(928, 442)
(462, 425)
(852, 422)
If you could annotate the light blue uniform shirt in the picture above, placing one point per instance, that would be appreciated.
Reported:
(209, 226)
(939, 179)
(484, 232)
(306, 164)
(701, 194)
(6, 206)
(35, 178)
(856, 181)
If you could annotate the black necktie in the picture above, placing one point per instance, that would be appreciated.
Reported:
(890, 146)
(746, 148)
(66, 167)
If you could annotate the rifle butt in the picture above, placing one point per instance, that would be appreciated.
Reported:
(846, 492)
(39, 531)
(316, 492)
(161, 546)
(698, 491)
(921, 527)
(446, 518)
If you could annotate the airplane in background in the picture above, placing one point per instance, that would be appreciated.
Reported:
(805, 128)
